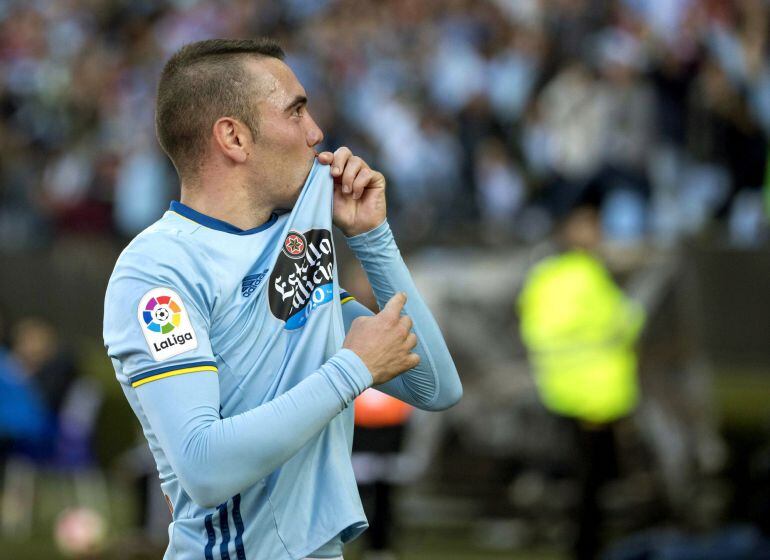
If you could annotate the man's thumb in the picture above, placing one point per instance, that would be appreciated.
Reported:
(395, 304)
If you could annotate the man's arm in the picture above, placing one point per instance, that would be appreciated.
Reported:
(178, 391)
(434, 384)
(215, 458)
(360, 211)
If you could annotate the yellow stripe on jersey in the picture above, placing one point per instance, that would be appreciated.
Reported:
(172, 373)
(347, 299)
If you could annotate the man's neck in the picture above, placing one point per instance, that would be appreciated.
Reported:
(234, 206)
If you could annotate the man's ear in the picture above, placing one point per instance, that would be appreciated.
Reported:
(232, 138)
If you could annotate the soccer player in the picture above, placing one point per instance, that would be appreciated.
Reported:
(229, 333)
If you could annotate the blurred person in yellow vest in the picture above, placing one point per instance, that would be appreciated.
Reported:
(580, 329)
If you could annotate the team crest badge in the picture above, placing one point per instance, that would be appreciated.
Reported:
(294, 245)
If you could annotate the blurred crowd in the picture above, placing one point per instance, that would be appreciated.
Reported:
(491, 119)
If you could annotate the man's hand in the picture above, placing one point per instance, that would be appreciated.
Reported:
(359, 192)
(384, 342)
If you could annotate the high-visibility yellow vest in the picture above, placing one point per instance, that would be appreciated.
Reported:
(580, 330)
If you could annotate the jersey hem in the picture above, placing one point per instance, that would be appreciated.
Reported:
(358, 525)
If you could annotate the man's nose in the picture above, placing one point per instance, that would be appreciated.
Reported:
(314, 135)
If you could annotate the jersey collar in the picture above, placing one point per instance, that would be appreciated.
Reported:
(213, 223)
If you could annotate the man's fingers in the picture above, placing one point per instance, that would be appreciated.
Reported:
(395, 304)
(411, 341)
(341, 157)
(325, 157)
(352, 168)
(351, 172)
(413, 360)
(363, 178)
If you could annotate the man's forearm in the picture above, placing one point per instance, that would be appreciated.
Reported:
(434, 384)
(215, 458)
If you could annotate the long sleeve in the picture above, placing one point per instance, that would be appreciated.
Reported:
(215, 458)
(434, 384)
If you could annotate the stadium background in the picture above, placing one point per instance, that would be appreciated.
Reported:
(491, 120)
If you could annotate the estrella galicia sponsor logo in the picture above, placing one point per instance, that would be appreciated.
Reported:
(251, 283)
(302, 278)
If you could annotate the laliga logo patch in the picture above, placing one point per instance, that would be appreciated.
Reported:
(162, 314)
(165, 324)
(303, 276)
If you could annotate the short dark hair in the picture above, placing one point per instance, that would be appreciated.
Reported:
(201, 83)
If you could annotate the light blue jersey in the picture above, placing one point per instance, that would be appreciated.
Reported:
(227, 344)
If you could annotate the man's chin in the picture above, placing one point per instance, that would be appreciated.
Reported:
(310, 163)
(289, 204)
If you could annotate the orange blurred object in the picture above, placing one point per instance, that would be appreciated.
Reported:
(377, 410)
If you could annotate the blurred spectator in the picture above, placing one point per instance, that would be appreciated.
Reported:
(36, 345)
(500, 189)
(630, 113)
(512, 71)
(22, 414)
(141, 191)
(49, 371)
(579, 330)
(62, 407)
(573, 115)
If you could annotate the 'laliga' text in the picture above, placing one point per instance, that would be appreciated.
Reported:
(173, 340)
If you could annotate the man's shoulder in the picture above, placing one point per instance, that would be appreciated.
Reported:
(162, 256)
(167, 243)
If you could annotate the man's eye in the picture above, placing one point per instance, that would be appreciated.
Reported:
(297, 112)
